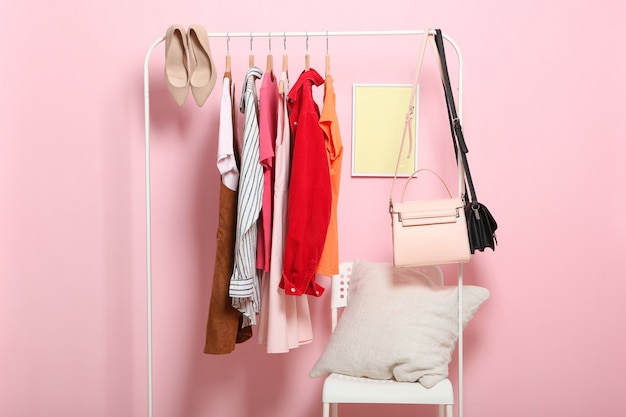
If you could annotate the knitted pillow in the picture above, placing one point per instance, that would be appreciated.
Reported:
(397, 324)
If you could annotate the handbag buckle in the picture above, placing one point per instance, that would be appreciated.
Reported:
(476, 214)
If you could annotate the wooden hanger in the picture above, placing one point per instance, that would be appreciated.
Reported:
(227, 69)
(281, 83)
(327, 69)
(307, 59)
(269, 66)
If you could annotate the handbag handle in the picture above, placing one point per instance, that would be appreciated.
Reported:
(432, 172)
(410, 115)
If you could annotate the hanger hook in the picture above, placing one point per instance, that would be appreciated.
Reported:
(326, 42)
(285, 41)
(227, 43)
(269, 40)
(251, 38)
(307, 42)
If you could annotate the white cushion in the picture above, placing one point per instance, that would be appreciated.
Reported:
(397, 324)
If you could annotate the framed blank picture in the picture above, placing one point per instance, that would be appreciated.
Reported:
(378, 119)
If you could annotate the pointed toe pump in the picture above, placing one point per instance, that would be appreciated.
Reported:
(202, 72)
(177, 63)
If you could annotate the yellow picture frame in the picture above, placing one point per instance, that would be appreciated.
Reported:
(378, 118)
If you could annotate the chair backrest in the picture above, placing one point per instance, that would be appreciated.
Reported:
(341, 282)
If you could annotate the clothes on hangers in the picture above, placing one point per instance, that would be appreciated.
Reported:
(286, 191)
(268, 113)
(310, 196)
(223, 329)
(244, 283)
(329, 261)
(284, 322)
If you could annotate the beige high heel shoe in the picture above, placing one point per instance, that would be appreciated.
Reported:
(176, 63)
(202, 72)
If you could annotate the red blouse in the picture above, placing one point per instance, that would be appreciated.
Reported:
(310, 195)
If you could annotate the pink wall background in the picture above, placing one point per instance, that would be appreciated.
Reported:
(543, 102)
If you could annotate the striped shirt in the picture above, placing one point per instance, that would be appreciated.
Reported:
(244, 283)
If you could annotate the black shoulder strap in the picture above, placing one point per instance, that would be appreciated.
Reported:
(460, 147)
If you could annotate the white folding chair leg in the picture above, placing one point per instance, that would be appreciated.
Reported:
(327, 408)
(445, 407)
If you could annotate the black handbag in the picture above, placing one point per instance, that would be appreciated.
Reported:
(481, 225)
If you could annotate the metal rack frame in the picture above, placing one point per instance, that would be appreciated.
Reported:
(284, 35)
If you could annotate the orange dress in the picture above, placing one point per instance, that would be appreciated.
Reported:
(329, 262)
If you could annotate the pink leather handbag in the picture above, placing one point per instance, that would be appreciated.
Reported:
(426, 232)
(429, 232)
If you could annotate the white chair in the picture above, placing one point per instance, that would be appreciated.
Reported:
(347, 389)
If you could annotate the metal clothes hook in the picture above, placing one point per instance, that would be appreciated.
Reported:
(307, 43)
(227, 43)
(269, 40)
(285, 41)
(326, 42)
(251, 56)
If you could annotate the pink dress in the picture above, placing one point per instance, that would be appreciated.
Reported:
(285, 321)
(268, 108)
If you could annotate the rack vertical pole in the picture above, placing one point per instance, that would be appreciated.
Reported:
(146, 91)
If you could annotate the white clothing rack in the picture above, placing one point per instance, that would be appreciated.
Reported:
(284, 35)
